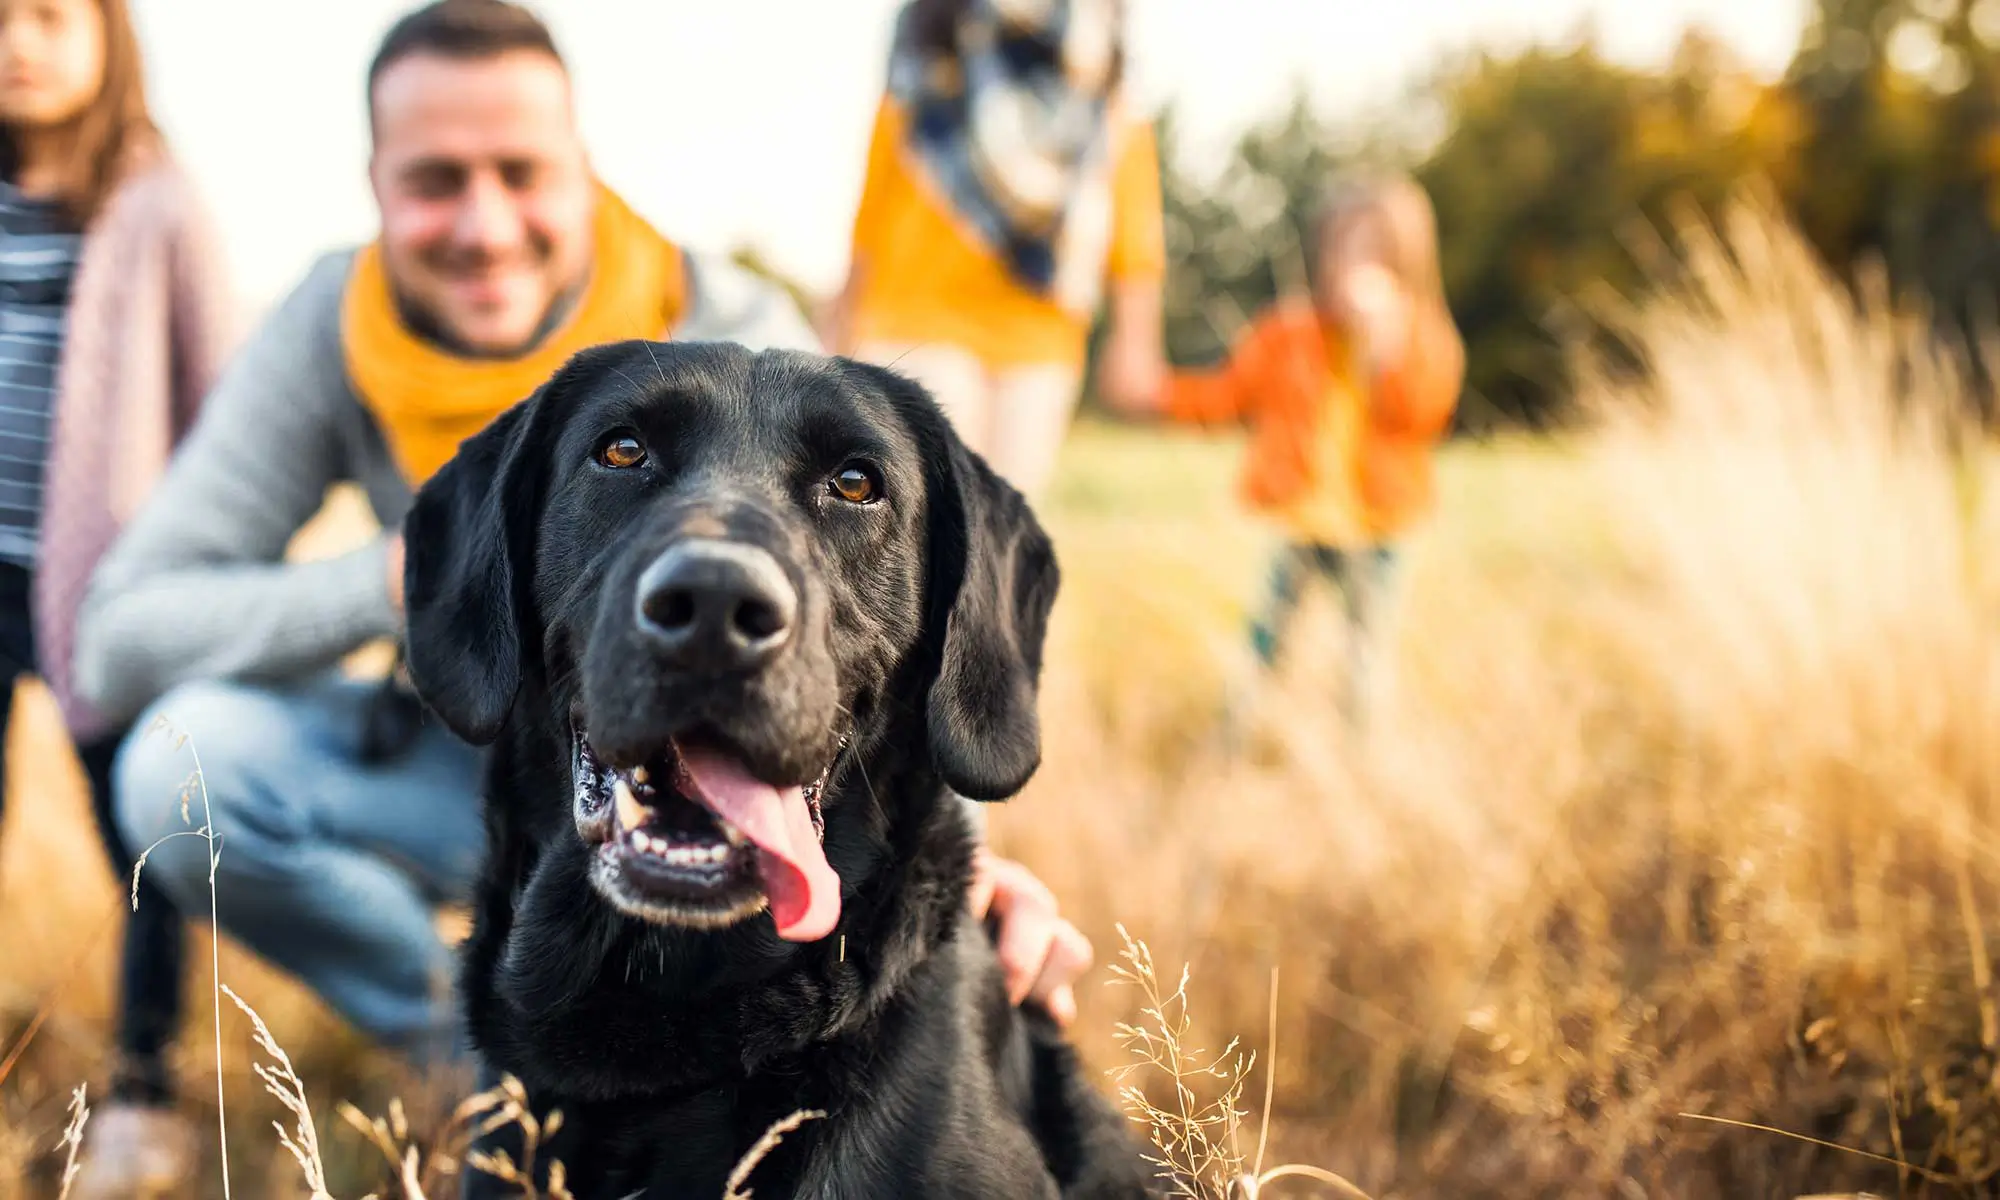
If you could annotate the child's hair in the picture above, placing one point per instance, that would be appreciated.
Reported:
(1407, 219)
(1408, 222)
(114, 126)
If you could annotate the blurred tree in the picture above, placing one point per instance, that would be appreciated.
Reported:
(1547, 161)
(1901, 159)
(1234, 241)
(1555, 167)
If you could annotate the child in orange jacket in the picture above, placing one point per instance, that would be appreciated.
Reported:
(1346, 394)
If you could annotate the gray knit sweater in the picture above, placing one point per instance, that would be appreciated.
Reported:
(197, 587)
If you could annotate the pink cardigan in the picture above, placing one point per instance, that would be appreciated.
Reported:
(150, 321)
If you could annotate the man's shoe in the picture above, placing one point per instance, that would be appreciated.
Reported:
(135, 1153)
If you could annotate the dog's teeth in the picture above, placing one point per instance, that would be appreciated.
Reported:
(639, 776)
(638, 840)
(734, 835)
(631, 813)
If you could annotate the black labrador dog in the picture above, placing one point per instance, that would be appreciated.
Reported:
(733, 623)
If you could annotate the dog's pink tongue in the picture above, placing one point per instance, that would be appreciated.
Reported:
(803, 890)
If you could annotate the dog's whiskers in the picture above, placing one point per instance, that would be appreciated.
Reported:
(628, 379)
(657, 368)
(861, 768)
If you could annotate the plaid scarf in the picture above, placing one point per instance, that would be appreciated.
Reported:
(1010, 122)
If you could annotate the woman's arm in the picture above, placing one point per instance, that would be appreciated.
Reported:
(202, 304)
(1133, 368)
(836, 317)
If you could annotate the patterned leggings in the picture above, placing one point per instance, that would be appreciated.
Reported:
(1363, 576)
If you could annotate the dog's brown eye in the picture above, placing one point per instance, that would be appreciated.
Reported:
(855, 486)
(622, 452)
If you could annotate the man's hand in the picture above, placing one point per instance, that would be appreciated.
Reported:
(396, 571)
(1041, 954)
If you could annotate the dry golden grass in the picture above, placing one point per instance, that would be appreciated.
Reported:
(1682, 822)
(1685, 808)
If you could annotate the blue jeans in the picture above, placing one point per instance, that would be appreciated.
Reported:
(328, 867)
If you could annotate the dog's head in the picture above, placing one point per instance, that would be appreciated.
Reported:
(719, 577)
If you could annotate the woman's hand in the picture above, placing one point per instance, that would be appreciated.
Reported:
(1130, 376)
(1132, 367)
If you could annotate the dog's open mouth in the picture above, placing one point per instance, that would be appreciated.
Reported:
(692, 838)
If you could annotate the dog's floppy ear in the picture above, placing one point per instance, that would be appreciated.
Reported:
(468, 545)
(993, 581)
(985, 734)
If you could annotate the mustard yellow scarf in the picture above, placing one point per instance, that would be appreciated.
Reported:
(427, 400)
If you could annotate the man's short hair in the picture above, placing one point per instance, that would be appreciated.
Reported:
(461, 29)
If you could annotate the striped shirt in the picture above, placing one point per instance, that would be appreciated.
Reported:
(38, 257)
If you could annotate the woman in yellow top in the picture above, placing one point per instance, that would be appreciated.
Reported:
(1006, 183)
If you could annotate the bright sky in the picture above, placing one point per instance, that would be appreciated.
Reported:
(730, 121)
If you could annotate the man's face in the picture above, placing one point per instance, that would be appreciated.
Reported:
(485, 193)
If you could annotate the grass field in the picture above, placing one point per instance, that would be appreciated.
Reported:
(1684, 812)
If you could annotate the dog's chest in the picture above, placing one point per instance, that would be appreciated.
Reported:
(916, 1115)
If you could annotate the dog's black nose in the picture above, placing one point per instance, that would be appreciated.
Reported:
(716, 606)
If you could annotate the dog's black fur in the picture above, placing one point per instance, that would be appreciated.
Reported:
(669, 1050)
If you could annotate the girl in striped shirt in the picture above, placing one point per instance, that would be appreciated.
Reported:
(112, 325)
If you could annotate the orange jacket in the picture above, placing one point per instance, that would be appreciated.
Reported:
(1279, 379)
